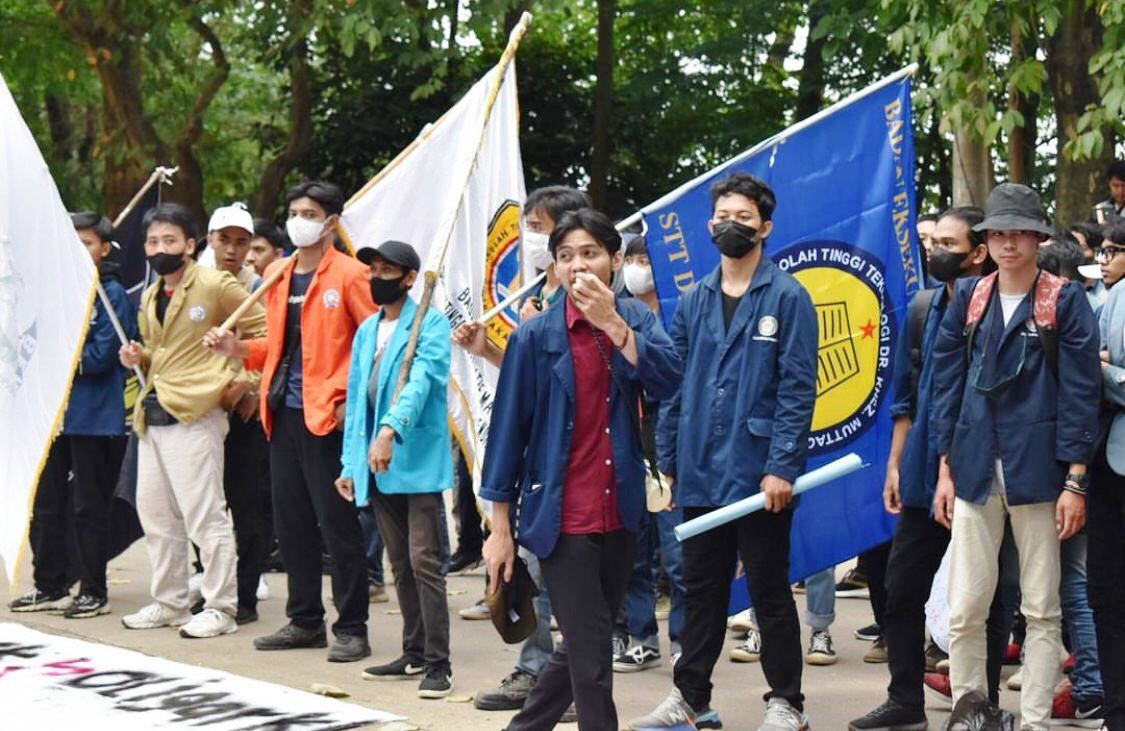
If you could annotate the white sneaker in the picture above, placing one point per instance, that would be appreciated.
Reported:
(209, 623)
(780, 716)
(195, 587)
(263, 589)
(744, 621)
(1015, 682)
(750, 650)
(156, 615)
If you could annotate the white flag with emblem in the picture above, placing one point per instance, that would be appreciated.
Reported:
(424, 201)
(46, 301)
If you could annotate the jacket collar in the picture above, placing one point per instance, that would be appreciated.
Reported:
(763, 277)
(178, 296)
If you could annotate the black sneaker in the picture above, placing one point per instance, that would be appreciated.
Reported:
(934, 655)
(245, 615)
(438, 682)
(852, 586)
(86, 606)
(41, 601)
(349, 648)
(292, 637)
(870, 633)
(459, 562)
(510, 696)
(891, 716)
(636, 658)
(400, 669)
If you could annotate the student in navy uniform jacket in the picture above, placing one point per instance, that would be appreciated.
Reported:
(1016, 433)
(564, 444)
(739, 425)
(91, 445)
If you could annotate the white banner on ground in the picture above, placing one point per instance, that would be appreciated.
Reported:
(53, 682)
(46, 300)
(424, 201)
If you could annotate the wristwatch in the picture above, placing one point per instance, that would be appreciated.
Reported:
(1077, 483)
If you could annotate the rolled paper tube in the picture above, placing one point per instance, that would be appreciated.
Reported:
(834, 470)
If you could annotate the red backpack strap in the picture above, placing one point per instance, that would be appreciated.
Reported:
(1046, 305)
(982, 292)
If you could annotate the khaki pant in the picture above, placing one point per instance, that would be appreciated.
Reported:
(978, 531)
(180, 499)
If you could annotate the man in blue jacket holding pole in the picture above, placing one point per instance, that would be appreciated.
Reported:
(740, 424)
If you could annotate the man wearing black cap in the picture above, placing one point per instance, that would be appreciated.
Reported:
(396, 455)
(1017, 381)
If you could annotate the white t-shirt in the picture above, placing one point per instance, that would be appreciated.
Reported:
(1008, 305)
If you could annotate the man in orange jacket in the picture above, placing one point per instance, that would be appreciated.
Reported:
(311, 314)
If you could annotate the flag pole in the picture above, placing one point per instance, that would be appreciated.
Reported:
(431, 275)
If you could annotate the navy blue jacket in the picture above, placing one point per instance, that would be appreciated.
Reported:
(746, 403)
(533, 420)
(97, 398)
(918, 469)
(1040, 423)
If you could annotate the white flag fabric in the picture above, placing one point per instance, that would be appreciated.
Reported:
(46, 300)
(447, 190)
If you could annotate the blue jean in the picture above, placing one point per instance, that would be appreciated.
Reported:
(536, 649)
(820, 600)
(373, 542)
(1079, 619)
(655, 539)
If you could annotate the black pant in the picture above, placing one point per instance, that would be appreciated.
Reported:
(873, 565)
(245, 467)
(411, 526)
(95, 462)
(304, 468)
(1105, 567)
(586, 577)
(470, 537)
(915, 556)
(762, 540)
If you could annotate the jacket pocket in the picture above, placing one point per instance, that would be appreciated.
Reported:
(760, 427)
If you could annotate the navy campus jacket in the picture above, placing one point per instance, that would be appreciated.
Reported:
(918, 468)
(533, 420)
(97, 398)
(746, 403)
(1040, 423)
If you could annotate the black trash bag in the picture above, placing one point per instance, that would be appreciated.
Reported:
(974, 712)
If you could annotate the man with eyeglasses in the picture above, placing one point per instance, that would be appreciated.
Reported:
(1111, 262)
(1016, 422)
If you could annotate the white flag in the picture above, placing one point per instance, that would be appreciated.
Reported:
(438, 193)
(46, 300)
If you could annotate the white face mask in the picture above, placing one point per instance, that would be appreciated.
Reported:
(638, 278)
(303, 232)
(535, 249)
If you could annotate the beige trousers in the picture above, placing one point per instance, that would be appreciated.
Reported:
(180, 499)
(973, 572)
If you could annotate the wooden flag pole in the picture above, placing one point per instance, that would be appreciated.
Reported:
(256, 295)
(431, 275)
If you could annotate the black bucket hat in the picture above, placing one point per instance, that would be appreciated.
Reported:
(511, 607)
(1014, 207)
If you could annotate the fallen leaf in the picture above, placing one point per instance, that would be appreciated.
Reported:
(329, 690)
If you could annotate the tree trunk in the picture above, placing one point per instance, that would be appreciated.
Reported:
(972, 169)
(603, 103)
(810, 85)
(1078, 183)
(1019, 161)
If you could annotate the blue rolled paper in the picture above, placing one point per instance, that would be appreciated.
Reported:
(834, 470)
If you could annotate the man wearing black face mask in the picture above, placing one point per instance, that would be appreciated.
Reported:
(396, 456)
(747, 335)
(181, 427)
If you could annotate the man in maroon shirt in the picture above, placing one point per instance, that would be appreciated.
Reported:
(565, 448)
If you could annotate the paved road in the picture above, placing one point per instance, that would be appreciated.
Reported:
(836, 694)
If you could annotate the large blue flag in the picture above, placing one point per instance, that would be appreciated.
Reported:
(845, 228)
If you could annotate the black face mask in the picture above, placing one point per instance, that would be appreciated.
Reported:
(734, 239)
(165, 263)
(387, 291)
(945, 266)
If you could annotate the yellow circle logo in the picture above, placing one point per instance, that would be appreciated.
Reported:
(853, 337)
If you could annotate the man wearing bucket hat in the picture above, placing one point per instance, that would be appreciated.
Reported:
(1017, 377)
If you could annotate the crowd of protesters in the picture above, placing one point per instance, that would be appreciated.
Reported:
(311, 418)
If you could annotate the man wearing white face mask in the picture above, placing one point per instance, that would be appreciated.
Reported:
(312, 315)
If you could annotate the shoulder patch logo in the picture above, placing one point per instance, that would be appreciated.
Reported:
(331, 298)
(197, 313)
(767, 326)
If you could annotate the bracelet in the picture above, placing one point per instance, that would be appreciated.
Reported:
(625, 342)
(1071, 486)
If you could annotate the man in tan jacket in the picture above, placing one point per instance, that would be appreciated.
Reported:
(181, 428)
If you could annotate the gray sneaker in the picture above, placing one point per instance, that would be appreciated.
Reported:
(510, 696)
(780, 716)
(672, 713)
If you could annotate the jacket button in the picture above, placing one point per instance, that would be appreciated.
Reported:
(789, 445)
(569, 425)
(722, 391)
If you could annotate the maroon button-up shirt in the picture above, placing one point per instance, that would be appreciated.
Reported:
(590, 488)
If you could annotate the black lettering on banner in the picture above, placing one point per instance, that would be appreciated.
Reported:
(23, 652)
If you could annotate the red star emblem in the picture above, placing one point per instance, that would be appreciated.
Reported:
(868, 330)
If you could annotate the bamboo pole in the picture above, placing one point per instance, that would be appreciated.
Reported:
(431, 275)
(256, 295)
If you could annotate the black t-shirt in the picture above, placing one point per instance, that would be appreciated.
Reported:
(297, 289)
(162, 300)
(730, 304)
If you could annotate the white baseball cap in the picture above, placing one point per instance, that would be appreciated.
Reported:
(233, 215)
